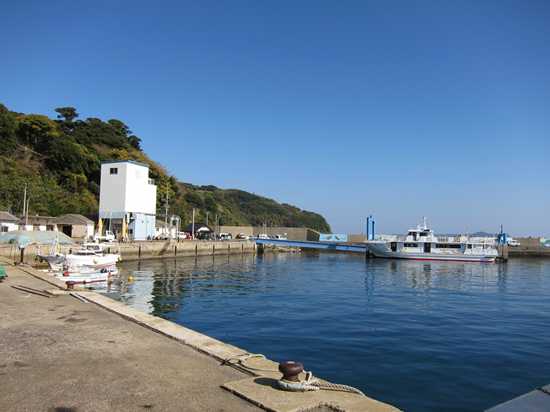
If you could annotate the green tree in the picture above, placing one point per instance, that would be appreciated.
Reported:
(36, 130)
(135, 142)
(67, 114)
(8, 128)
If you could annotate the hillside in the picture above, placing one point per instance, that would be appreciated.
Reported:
(59, 160)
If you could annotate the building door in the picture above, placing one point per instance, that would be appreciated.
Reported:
(427, 247)
(393, 246)
(67, 229)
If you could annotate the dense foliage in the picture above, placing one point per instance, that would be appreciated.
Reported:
(59, 160)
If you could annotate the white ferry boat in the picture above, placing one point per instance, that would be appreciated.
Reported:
(421, 244)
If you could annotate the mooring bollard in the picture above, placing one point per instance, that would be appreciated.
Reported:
(291, 370)
(196, 250)
(70, 284)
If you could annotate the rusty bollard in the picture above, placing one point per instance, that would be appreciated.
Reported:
(291, 370)
(70, 284)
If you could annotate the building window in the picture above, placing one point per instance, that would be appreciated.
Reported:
(4, 228)
(114, 170)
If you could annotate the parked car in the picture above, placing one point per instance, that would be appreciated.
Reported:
(280, 237)
(263, 236)
(513, 242)
(242, 236)
(184, 235)
(107, 237)
(225, 236)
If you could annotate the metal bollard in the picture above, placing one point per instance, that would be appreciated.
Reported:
(291, 370)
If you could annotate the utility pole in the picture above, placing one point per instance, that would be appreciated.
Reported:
(207, 212)
(27, 210)
(24, 200)
(166, 211)
(193, 226)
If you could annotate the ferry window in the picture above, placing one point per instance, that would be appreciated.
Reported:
(449, 245)
(114, 170)
(469, 246)
(410, 245)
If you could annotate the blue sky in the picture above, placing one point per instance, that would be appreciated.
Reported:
(396, 108)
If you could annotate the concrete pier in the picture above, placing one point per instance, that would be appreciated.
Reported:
(62, 354)
(91, 353)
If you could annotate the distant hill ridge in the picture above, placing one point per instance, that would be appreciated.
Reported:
(60, 159)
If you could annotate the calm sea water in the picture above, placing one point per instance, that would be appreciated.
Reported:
(423, 336)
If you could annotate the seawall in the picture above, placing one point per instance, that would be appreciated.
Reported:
(141, 250)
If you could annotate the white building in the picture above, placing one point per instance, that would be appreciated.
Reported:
(8, 222)
(127, 200)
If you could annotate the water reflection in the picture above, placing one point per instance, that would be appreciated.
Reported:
(424, 276)
(163, 286)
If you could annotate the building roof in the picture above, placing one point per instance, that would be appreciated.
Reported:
(72, 219)
(38, 220)
(8, 217)
(135, 162)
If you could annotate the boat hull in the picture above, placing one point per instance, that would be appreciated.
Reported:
(381, 250)
(85, 279)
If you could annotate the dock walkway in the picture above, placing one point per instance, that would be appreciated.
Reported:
(60, 354)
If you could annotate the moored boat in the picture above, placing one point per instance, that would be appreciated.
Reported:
(85, 278)
(90, 255)
(422, 244)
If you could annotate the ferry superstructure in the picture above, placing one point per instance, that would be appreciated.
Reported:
(422, 244)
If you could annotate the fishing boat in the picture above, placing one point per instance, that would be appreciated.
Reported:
(91, 255)
(85, 276)
(421, 243)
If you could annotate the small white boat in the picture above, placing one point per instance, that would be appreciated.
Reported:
(91, 255)
(84, 279)
(421, 244)
(86, 274)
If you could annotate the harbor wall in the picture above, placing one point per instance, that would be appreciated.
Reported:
(529, 246)
(141, 250)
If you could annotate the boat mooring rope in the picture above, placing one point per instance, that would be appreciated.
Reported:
(310, 383)
(241, 361)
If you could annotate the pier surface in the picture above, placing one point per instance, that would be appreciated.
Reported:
(60, 354)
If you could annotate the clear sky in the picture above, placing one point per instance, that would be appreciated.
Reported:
(396, 108)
